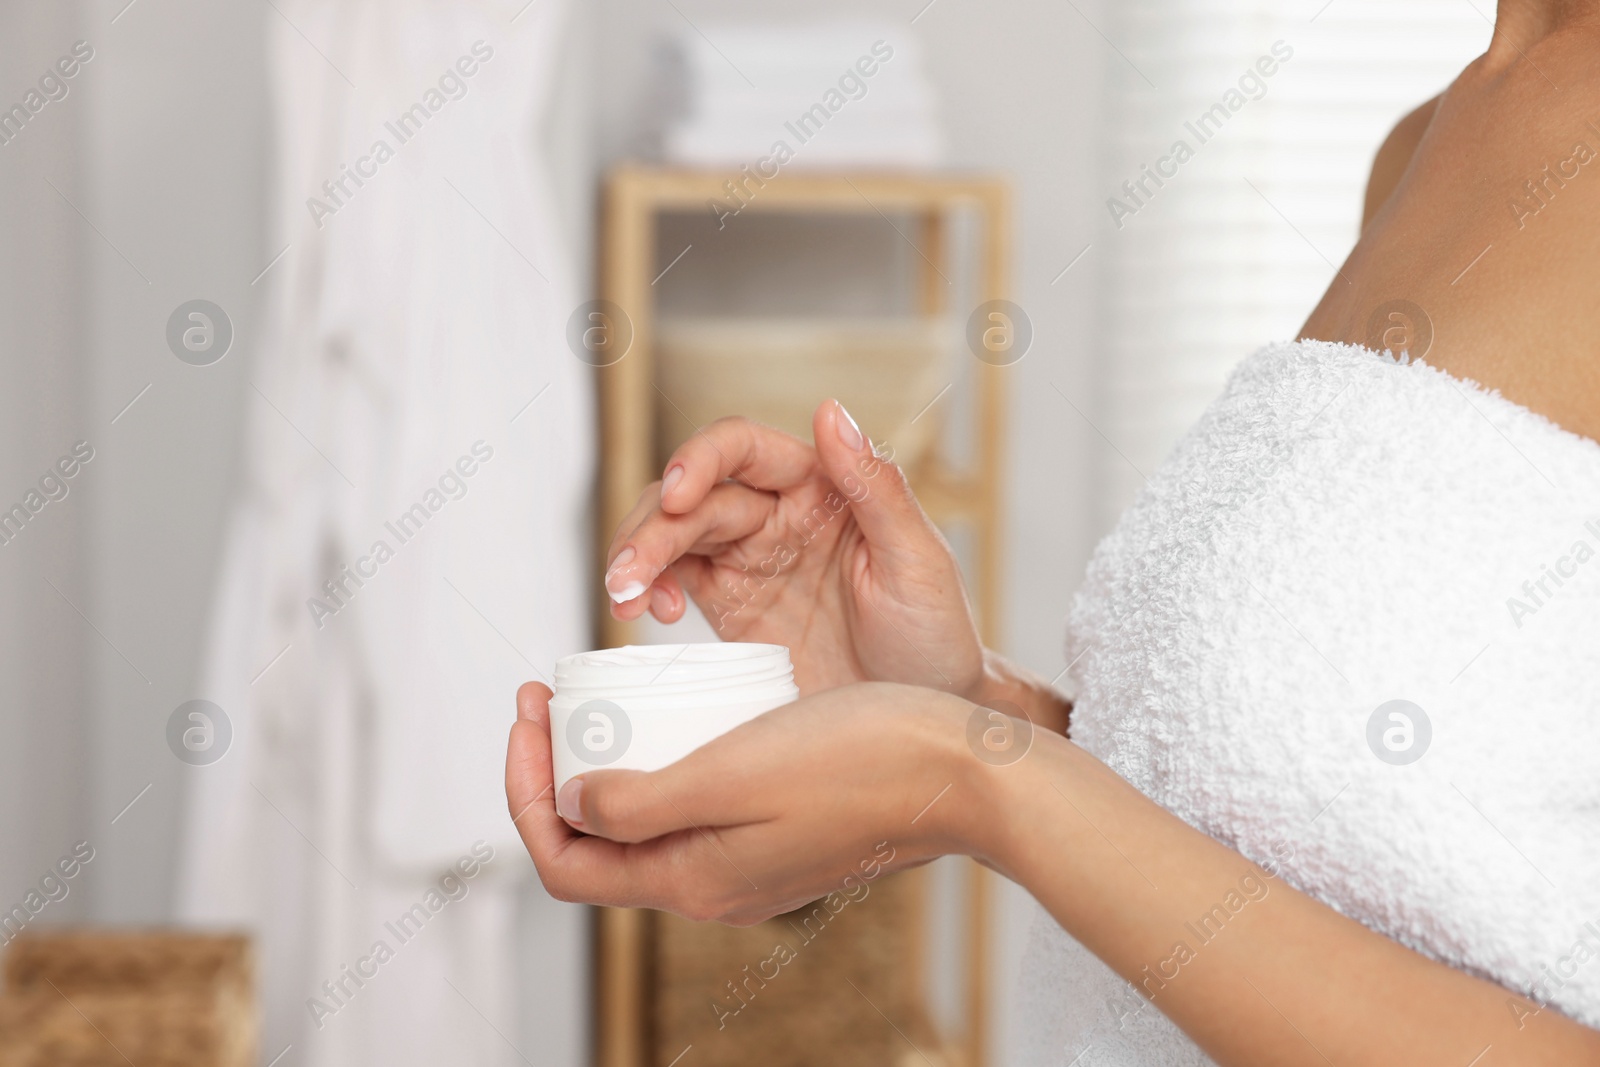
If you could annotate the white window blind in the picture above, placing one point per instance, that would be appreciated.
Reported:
(1237, 246)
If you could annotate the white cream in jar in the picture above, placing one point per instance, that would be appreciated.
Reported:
(642, 707)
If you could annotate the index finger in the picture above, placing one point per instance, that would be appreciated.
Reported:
(735, 447)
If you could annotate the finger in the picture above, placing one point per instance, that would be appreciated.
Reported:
(581, 869)
(696, 576)
(533, 703)
(574, 866)
(756, 455)
(881, 500)
(571, 866)
(729, 512)
(622, 806)
(664, 599)
(630, 607)
(718, 785)
(680, 873)
(649, 500)
(529, 796)
(667, 602)
(633, 806)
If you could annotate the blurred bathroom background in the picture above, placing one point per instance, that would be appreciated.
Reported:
(257, 362)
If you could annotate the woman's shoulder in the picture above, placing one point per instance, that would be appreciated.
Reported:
(1393, 157)
(1484, 236)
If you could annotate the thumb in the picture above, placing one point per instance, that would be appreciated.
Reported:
(881, 499)
(626, 806)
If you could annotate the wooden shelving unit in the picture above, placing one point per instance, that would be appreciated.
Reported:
(967, 494)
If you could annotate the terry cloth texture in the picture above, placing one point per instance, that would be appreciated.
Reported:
(1339, 531)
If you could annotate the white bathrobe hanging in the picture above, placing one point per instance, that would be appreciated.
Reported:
(409, 543)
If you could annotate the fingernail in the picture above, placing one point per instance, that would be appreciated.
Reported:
(622, 590)
(630, 591)
(567, 802)
(673, 476)
(660, 602)
(849, 432)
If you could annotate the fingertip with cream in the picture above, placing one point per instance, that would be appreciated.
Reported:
(619, 588)
(626, 591)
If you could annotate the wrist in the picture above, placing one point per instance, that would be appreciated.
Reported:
(990, 681)
(1007, 687)
(940, 760)
(983, 755)
(1010, 802)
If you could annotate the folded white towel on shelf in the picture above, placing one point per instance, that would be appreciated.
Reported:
(1337, 532)
(834, 92)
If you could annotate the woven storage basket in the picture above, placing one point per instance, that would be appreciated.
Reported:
(885, 370)
(87, 998)
(850, 995)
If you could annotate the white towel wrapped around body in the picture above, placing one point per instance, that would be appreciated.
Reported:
(1339, 531)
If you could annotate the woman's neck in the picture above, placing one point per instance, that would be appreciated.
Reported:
(1520, 24)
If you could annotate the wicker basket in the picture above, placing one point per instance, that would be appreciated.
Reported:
(85, 999)
(886, 371)
(847, 993)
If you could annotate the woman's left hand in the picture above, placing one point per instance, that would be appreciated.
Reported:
(768, 817)
(808, 800)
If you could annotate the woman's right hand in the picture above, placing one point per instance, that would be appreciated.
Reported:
(824, 550)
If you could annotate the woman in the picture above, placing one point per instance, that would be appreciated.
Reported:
(1330, 795)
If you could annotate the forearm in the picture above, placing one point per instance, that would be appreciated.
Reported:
(1004, 681)
(1273, 978)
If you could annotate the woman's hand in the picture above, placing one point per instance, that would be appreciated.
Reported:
(824, 550)
(818, 798)
(775, 814)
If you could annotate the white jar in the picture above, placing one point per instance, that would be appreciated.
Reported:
(642, 707)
